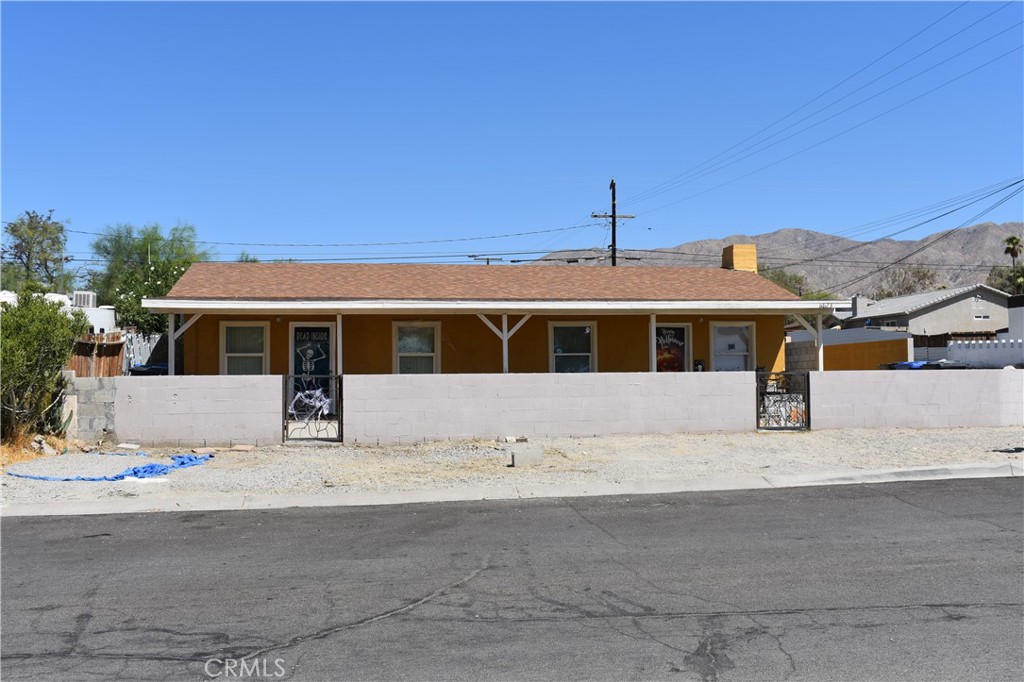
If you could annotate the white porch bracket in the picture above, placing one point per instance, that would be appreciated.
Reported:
(173, 335)
(817, 335)
(188, 323)
(504, 334)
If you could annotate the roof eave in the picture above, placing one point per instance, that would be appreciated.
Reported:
(369, 307)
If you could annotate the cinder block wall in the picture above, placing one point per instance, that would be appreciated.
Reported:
(199, 410)
(408, 408)
(93, 408)
(917, 398)
(987, 354)
(180, 410)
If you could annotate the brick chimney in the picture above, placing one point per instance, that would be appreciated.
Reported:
(740, 257)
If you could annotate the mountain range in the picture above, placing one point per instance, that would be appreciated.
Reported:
(829, 262)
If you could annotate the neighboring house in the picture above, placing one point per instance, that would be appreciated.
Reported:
(320, 319)
(101, 318)
(849, 349)
(976, 308)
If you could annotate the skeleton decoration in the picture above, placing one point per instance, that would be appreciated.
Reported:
(311, 402)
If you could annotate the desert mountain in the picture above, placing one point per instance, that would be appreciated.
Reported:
(829, 263)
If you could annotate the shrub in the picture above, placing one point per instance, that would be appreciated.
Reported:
(37, 338)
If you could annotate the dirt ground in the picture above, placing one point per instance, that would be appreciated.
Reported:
(315, 469)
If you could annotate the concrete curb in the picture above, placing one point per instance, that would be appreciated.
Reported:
(238, 501)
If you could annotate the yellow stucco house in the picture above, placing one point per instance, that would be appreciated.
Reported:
(303, 318)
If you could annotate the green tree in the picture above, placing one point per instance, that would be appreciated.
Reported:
(905, 280)
(1006, 279)
(142, 263)
(246, 257)
(1013, 250)
(33, 254)
(36, 341)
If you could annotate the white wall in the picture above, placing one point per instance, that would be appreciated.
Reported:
(406, 408)
(222, 410)
(987, 354)
(198, 410)
(917, 398)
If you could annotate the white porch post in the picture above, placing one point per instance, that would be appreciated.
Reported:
(819, 342)
(171, 338)
(338, 367)
(504, 334)
(653, 342)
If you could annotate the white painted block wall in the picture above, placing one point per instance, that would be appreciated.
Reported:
(987, 354)
(917, 398)
(198, 410)
(409, 408)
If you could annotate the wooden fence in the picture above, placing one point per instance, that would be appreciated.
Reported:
(98, 355)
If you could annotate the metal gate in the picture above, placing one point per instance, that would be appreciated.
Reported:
(783, 401)
(313, 407)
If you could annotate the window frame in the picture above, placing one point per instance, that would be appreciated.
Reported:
(572, 323)
(224, 324)
(752, 350)
(687, 328)
(395, 356)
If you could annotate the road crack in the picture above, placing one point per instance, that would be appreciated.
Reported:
(369, 620)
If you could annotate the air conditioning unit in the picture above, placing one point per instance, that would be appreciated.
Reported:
(84, 299)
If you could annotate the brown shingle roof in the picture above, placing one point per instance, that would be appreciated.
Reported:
(424, 282)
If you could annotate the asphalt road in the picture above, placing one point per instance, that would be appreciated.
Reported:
(907, 581)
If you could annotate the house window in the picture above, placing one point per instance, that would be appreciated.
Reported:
(982, 317)
(572, 346)
(416, 349)
(672, 347)
(732, 346)
(245, 348)
(890, 324)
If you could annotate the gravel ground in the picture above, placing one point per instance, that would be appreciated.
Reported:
(327, 468)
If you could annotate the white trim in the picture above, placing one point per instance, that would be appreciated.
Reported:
(329, 326)
(572, 323)
(339, 364)
(490, 307)
(224, 324)
(171, 338)
(191, 321)
(504, 334)
(395, 324)
(751, 355)
(687, 342)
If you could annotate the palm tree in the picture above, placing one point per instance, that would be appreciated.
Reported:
(1013, 249)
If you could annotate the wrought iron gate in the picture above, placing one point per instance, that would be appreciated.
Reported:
(783, 401)
(313, 407)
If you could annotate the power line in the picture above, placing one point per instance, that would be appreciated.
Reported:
(945, 235)
(907, 229)
(362, 244)
(648, 193)
(839, 134)
(753, 150)
(873, 226)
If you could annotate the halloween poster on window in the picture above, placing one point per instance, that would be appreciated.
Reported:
(670, 344)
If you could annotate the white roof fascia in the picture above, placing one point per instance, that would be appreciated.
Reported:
(493, 307)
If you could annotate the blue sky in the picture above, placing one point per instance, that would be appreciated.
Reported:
(336, 123)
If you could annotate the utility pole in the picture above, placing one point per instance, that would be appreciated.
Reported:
(613, 216)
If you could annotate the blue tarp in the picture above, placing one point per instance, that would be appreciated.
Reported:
(144, 471)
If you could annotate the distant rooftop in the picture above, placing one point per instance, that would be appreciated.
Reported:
(904, 305)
